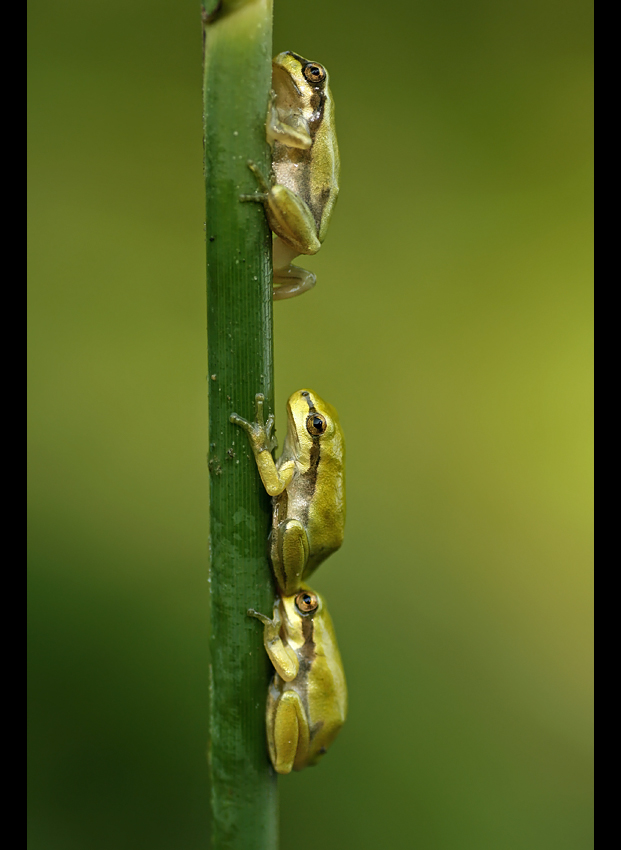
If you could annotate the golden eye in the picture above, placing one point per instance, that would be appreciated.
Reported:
(316, 424)
(314, 73)
(306, 602)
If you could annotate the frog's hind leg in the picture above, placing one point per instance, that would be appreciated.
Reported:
(289, 550)
(290, 218)
(289, 741)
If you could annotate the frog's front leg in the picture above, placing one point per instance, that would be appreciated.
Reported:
(281, 655)
(289, 551)
(287, 732)
(263, 442)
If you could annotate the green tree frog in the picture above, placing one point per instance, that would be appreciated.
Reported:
(306, 483)
(300, 196)
(307, 698)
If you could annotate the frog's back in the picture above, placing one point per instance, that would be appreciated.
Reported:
(324, 184)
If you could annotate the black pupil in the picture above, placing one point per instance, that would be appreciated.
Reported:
(315, 71)
(318, 424)
(307, 600)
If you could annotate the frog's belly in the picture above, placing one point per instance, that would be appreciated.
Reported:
(291, 174)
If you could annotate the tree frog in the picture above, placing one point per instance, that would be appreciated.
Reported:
(301, 193)
(307, 698)
(306, 483)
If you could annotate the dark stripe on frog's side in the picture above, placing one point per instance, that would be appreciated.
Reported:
(310, 476)
(306, 657)
(306, 485)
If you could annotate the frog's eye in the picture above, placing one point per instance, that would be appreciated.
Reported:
(316, 424)
(306, 602)
(314, 73)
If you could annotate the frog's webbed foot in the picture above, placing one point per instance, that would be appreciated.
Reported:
(289, 280)
(260, 433)
(292, 281)
(258, 198)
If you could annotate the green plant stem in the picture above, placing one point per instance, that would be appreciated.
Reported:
(240, 351)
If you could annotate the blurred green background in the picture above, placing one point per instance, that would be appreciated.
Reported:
(451, 327)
